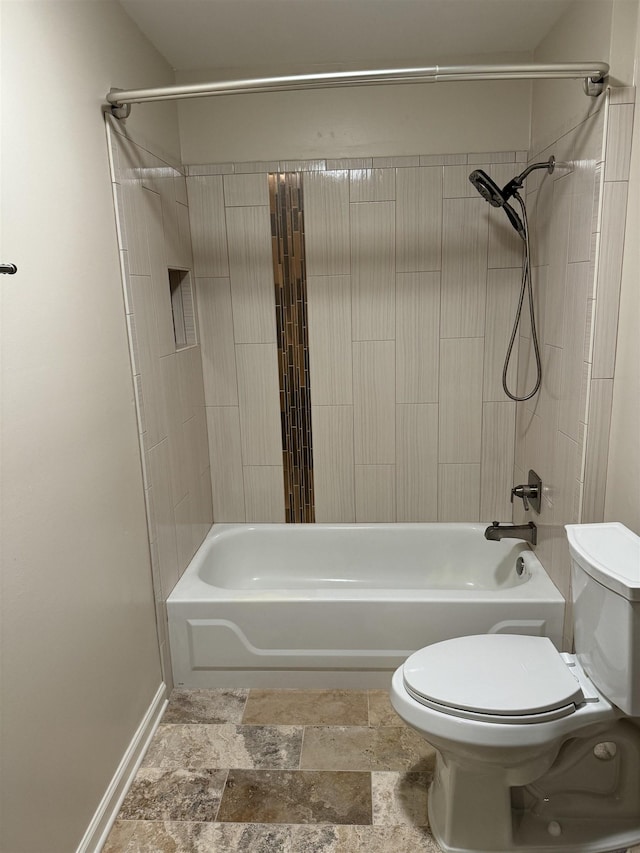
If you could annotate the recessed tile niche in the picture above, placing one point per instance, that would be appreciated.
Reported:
(184, 327)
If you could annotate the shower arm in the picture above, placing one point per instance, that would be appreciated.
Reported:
(515, 184)
(593, 73)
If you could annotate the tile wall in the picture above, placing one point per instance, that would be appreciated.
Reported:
(411, 286)
(153, 234)
(578, 221)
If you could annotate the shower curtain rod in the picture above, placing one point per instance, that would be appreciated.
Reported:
(594, 74)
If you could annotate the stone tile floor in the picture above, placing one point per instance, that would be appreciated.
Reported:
(279, 771)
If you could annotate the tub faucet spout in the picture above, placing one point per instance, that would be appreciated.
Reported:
(497, 531)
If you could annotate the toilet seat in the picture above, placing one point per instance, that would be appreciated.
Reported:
(495, 678)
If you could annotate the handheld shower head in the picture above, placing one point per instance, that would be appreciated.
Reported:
(487, 188)
(514, 219)
(497, 197)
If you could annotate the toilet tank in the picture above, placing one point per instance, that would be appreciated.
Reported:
(605, 580)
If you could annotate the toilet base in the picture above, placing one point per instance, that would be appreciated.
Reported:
(585, 799)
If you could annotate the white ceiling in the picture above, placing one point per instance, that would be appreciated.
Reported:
(237, 34)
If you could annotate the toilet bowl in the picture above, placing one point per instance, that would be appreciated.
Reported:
(532, 754)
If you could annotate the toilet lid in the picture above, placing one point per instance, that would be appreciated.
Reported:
(499, 675)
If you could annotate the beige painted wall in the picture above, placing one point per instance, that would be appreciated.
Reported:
(602, 30)
(622, 501)
(80, 662)
(369, 121)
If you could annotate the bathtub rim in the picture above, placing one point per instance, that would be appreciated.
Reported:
(192, 588)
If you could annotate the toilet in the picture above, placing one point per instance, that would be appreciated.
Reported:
(538, 750)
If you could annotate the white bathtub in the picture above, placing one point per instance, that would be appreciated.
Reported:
(295, 605)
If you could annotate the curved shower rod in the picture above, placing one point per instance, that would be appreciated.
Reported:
(593, 73)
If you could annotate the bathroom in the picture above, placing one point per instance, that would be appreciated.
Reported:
(83, 660)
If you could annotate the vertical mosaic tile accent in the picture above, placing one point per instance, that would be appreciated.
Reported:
(289, 272)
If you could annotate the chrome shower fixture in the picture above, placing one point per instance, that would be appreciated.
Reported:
(497, 197)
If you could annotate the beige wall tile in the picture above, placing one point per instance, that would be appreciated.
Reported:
(561, 485)
(175, 436)
(496, 467)
(417, 462)
(217, 344)
(540, 222)
(373, 270)
(264, 493)
(205, 520)
(372, 185)
(166, 184)
(547, 403)
(505, 244)
(146, 328)
(243, 190)
(622, 95)
(187, 375)
(326, 215)
(158, 458)
(575, 322)
(397, 162)
(375, 493)
(202, 440)
(184, 237)
(523, 421)
(184, 538)
(199, 517)
(583, 187)
(503, 288)
(595, 477)
(180, 188)
(227, 483)
(443, 159)
(527, 372)
(259, 401)
(539, 277)
(329, 311)
(350, 163)
(535, 452)
(208, 230)
(251, 266)
(458, 492)
(333, 463)
(614, 214)
(460, 399)
(374, 402)
(492, 157)
(302, 165)
(464, 267)
(417, 337)
(619, 135)
(257, 166)
(418, 219)
(157, 238)
(133, 226)
(210, 169)
(558, 259)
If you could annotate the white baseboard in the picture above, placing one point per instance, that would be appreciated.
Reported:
(106, 813)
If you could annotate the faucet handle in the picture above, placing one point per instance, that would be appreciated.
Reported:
(524, 492)
(530, 493)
